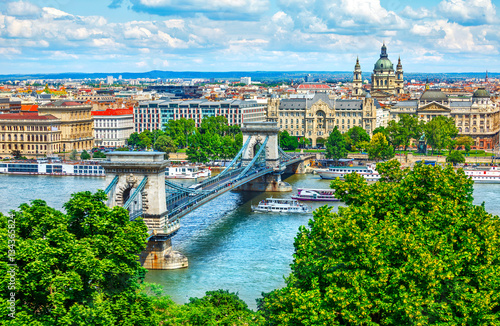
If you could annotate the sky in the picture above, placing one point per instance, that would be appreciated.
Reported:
(53, 36)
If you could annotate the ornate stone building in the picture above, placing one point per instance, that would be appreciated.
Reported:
(386, 81)
(76, 124)
(477, 117)
(31, 134)
(315, 116)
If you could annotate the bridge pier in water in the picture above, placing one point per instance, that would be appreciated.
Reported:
(267, 183)
(137, 182)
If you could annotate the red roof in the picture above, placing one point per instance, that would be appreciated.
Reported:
(313, 86)
(114, 112)
(31, 108)
(26, 116)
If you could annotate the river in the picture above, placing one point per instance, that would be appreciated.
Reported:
(228, 246)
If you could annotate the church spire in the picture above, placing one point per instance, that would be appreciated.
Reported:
(383, 52)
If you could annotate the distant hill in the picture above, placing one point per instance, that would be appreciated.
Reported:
(235, 75)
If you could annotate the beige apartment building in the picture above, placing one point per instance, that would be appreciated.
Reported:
(76, 124)
(30, 134)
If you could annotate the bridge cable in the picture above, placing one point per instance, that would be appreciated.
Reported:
(257, 155)
(139, 188)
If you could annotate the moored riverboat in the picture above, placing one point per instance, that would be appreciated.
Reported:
(491, 175)
(44, 167)
(334, 172)
(187, 172)
(315, 195)
(278, 205)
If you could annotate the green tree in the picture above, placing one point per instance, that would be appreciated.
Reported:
(439, 132)
(304, 142)
(214, 125)
(382, 130)
(78, 267)
(335, 145)
(99, 154)
(466, 142)
(217, 308)
(165, 144)
(288, 142)
(134, 139)
(354, 136)
(396, 135)
(146, 139)
(410, 128)
(85, 155)
(411, 249)
(379, 148)
(73, 155)
(455, 157)
(180, 131)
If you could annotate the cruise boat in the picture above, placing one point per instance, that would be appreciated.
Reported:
(44, 167)
(334, 172)
(187, 172)
(315, 195)
(275, 205)
(491, 175)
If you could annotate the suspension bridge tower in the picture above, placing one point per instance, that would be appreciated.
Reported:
(136, 181)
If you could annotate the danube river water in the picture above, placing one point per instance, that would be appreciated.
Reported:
(228, 246)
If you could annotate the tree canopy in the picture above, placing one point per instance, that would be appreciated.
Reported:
(355, 136)
(439, 132)
(288, 142)
(409, 249)
(78, 268)
(335, 145)
(379, 148)
(165, 144)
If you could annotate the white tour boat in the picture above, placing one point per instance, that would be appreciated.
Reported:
(186, 172)
(315, 195)
(334, 172)
(491, 175)
(276, 205)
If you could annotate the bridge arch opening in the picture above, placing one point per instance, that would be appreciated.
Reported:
(126, 195)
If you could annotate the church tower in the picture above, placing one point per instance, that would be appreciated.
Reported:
(399, 77)
(384, 81)
(357, 82)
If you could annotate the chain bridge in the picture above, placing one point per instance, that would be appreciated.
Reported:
(136, 181)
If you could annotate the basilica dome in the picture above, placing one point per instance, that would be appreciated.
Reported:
(383, 64)
(481, 92)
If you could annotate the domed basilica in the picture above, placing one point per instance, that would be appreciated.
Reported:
(385, 81)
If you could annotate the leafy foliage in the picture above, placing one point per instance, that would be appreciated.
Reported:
(379, 148)
(465, 141)
(85, 155)
(73, 155)
(439, 132)
(455, 157)
(288, 142)
(180, 131)
(415, 251)
(335, 145)
(218, 308)
(78, 268)
(355, 136)
(99, 154)
(165, 144)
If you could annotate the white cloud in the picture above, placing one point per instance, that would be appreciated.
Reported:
(18, 27)
(171, 41)
(175, 23)
(137, 32)
(81, 33)
(22, 8)
(7, 51)
(54, 13)
(418, 14)
(471, 12)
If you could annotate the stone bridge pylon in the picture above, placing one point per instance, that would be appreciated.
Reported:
(137, 182)
(263, 134)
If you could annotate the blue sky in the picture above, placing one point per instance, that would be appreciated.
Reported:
(247, 35)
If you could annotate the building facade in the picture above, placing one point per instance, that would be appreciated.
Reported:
(386, 81)
(477, 116)
(315, 116)
(113, 127)
(31, 134)
(76, 124)
(154, 115)
(357, 81)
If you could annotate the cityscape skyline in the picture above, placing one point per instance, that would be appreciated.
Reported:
(60, 36)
